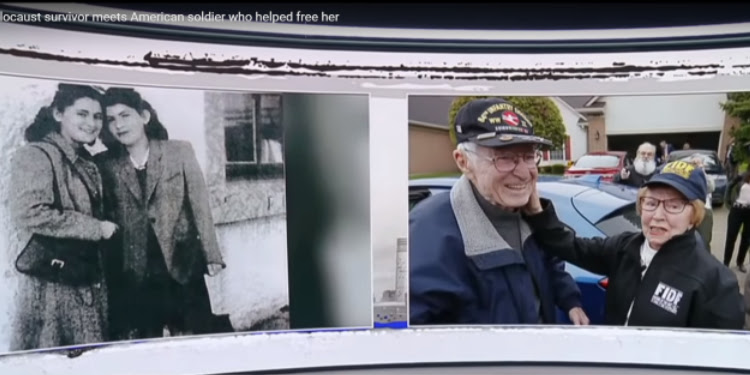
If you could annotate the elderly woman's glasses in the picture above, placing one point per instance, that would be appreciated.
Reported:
(506, 162)
(673, 206)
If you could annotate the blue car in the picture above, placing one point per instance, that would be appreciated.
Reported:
(586, 205)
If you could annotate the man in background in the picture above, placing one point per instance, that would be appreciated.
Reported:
(641, 170)
(664, 150)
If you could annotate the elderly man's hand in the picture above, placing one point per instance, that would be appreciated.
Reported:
(624, 174)
(578, 316)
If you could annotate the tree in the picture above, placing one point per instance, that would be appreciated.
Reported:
(541, 111)
(738, 105)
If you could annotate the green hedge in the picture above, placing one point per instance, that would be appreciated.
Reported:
(556, 169)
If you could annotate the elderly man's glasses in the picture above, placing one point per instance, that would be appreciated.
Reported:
(673, 206)
(506, 162)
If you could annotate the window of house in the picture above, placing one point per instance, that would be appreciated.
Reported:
(253, 135)
(557, 154)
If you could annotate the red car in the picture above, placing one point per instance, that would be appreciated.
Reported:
(604, 163)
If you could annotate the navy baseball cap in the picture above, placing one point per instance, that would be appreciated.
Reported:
(684, 177)
(493, 122)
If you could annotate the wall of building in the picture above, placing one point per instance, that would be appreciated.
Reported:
(20, 100)
(430, 151)
(597, 133)
(664, 114)
(251, 225)
(578, 136)
(254, 287)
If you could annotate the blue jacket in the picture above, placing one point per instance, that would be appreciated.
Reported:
(463, 272)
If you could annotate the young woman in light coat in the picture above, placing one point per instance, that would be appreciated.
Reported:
(53, 171)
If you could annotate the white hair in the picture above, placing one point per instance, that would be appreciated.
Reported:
(469, 150)
(646, 145)
(467, 146)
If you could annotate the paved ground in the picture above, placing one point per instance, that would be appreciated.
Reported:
(719, 238)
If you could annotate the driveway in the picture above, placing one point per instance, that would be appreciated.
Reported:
(719, 238)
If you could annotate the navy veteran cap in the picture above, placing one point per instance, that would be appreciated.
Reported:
(684, 177)
(493, 122)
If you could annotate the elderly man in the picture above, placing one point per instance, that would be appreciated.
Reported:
(472, 258)
(641, 170)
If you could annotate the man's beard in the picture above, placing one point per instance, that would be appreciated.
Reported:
(644, 167)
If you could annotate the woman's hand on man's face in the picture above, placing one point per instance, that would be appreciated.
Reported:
(534, 206)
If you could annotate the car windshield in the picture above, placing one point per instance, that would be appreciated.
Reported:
(597, 161)
(625, 219)
(710, 160)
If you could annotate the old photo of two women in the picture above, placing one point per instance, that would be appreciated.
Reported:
(120, 213)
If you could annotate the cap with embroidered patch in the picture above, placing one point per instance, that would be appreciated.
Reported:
(683, 177)
(494, 122)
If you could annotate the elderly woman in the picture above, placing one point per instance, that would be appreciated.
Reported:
(662, 276)
(56, 198)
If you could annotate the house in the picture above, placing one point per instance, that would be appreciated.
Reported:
(624, 122)
(244, 168)
(592, 109)
(430, 146)
(576, 144)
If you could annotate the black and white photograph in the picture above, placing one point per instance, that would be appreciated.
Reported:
(135, 213)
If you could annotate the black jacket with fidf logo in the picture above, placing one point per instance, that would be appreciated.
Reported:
(684, 286)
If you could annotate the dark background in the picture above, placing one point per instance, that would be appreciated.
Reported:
(499, 16)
